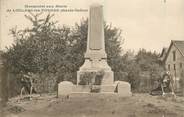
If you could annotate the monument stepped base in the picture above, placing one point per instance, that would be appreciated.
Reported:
(87, 88)
(122, 89)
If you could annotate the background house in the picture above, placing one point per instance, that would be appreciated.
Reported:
(173, 60)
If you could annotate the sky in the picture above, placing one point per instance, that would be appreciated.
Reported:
(149, 24)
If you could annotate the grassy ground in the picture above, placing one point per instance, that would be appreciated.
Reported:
(95, 105)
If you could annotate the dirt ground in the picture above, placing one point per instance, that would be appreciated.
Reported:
(95, 105)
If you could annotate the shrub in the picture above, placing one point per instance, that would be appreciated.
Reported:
(121, 76)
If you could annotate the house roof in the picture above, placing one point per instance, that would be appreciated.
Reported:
(179, 44)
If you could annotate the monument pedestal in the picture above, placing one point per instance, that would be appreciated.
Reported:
(107, 81)
(96, 66)
(108, 77)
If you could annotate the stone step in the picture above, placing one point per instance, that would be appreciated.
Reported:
(93, 95)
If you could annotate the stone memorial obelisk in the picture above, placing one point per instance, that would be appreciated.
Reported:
(95, 56)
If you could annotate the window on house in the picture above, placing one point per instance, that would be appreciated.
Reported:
(174, 55)
(169, 67)
(181, 65)
(174, 67)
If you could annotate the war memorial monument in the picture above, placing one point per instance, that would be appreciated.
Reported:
(96, 61)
